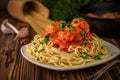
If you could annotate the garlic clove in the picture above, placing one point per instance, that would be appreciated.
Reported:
(24, 32)
(5, 28)
(8, 28)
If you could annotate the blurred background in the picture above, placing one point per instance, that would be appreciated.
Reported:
(69, 9)
(61, 9)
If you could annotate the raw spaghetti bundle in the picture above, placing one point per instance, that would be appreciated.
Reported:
(37, 21)
(32, 12)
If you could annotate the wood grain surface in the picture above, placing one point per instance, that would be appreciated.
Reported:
(13, 66)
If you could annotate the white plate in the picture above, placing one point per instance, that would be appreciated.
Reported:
(113, 49)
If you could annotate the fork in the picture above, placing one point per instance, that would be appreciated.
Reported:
(96, 75)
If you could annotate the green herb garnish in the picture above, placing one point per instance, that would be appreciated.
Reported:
(83, 54)
(62, 25)
(38, 59)
(82, 33)
(35, 51)
(34, 43)
(100, 53)
(79, 19)
(84, 43)
(41, 50)
(97, 58)
(45, 40)
(54, 45)
(71, 28)
(91, 40)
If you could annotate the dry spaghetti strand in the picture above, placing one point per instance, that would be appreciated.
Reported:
(37, 22)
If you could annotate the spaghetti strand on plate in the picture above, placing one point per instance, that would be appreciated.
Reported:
(67, 44)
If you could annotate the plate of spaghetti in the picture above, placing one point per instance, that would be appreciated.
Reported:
(69, 46)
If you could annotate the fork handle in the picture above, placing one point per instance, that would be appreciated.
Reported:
(96, 75)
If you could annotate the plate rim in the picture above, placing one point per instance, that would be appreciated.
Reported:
(52, 67)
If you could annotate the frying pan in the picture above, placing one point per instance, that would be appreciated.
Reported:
(102, 26)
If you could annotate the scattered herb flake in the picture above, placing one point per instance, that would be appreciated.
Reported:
(62, 26)
(82, 33)
(45, 40)
(83, 54)
(71, 28)
(100, 53)
(97, 58)
(38, 59)
(34, 43)
(41, 50)
(84, 43)
(79, 19)
(54, 45)
(35, 51)
(91, 40)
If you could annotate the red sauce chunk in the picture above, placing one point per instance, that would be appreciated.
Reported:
(64, 34)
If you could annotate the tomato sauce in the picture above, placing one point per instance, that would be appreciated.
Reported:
(71, 34)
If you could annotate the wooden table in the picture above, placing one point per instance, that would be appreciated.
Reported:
(13, 66)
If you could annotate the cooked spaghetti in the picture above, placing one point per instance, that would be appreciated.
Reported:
(67, 44)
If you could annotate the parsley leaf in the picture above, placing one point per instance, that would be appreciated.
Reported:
(34, 43)
(82, 33)
(38, 59)
(100, 53)
(83, 54)
(41, 50)
(45, 40)
(97, 58)
(71, 28)
(84, 43)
